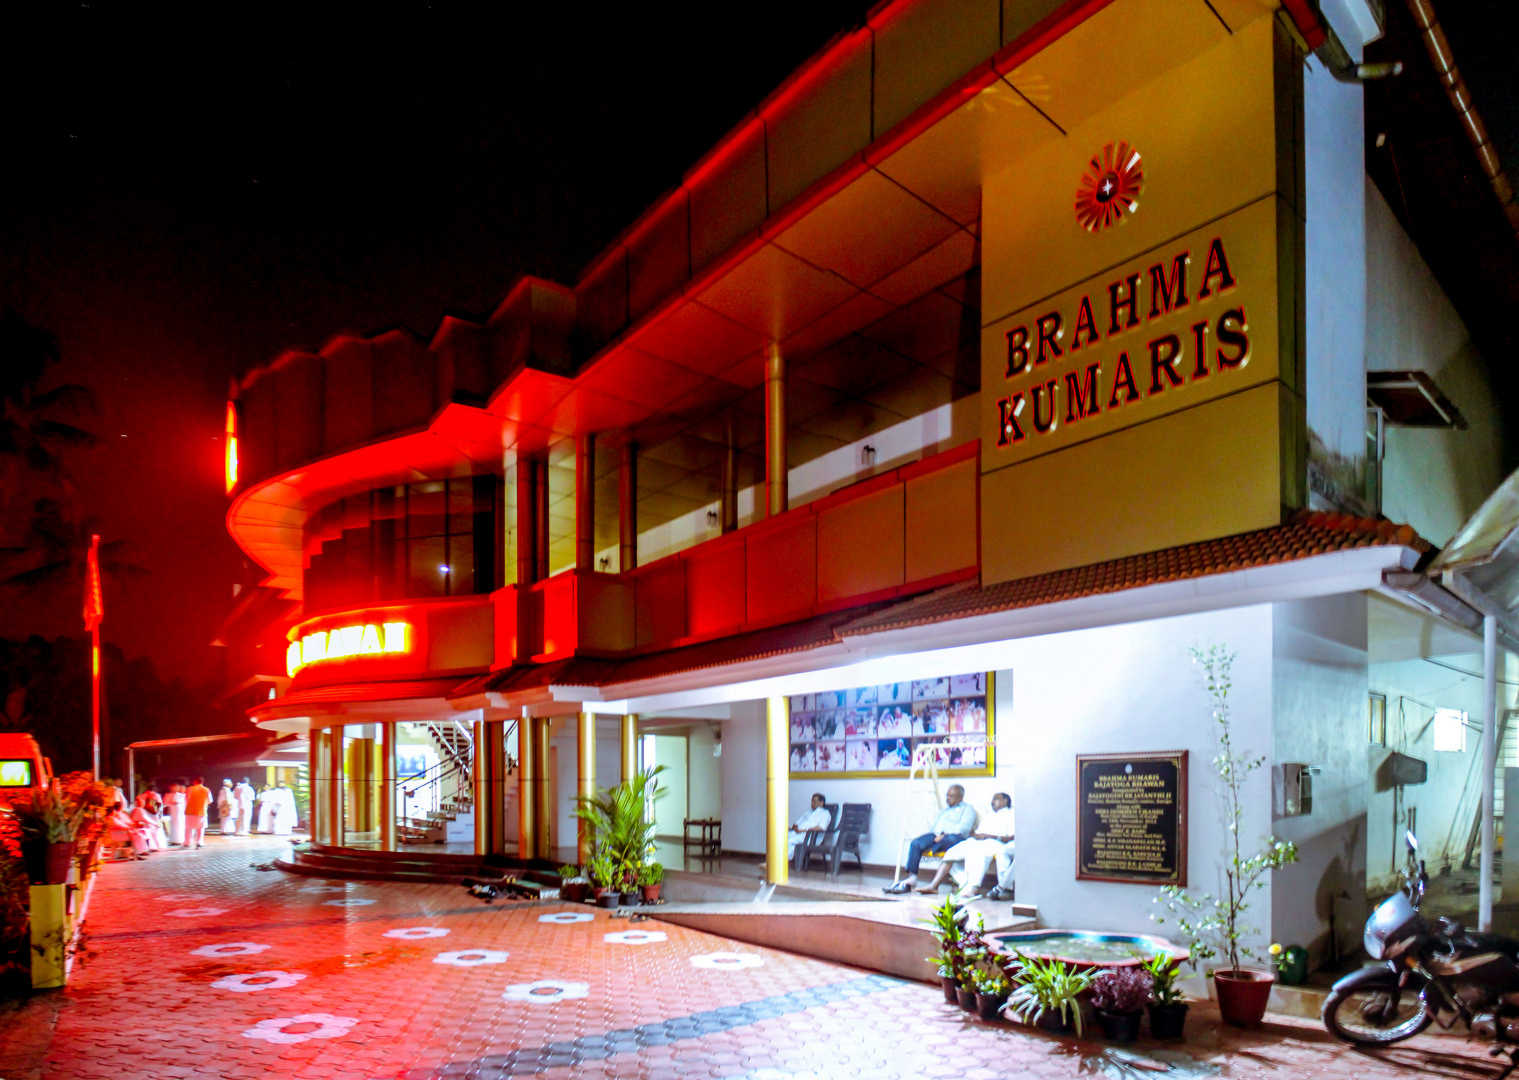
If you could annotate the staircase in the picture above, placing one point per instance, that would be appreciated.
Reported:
(446, 790)
(323, 860)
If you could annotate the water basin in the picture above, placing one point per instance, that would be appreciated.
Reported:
(1085, 948)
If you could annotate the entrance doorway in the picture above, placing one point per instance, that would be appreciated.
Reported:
(670, 808)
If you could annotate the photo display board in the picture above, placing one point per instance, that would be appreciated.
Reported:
(1131, 817)
(874, 730)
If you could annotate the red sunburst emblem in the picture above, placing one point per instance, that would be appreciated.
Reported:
(1109, 188)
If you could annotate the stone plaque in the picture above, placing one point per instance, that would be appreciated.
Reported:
(1131, 817)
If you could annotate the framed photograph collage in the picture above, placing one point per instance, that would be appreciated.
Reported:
(872, 731)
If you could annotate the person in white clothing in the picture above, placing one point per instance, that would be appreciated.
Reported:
(992, 840)
(243, 793)
(266, 807)
(284, 811)
(174, 802)
(226, 808)
(815, 820)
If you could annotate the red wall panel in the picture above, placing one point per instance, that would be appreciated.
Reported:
(781, 568)
(715, 594)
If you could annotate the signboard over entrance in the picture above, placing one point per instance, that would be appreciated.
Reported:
(1131, 818)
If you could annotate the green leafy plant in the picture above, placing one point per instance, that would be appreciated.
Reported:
(651, 873)
(1121, 990)
(46, 816)
(960, 945)
(619, 822)
(604, 870)
(1212, 925)
(992, 981)
(568, 872)
(1047, 986)
(1163, 969)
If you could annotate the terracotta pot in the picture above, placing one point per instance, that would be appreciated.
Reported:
(1242, 996)
(966, 999)
(47, 863)
(1122, 1027)
(989, 1006)
(948, 983)
(1167, 1021)
(574, 891)
(650, 893)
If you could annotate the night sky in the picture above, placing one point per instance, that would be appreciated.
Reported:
(188, 192)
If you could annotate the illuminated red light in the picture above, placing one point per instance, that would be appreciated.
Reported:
(231, 446)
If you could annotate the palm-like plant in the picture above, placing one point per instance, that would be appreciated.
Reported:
(621, 828)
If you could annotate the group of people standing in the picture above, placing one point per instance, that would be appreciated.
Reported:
(179, 817)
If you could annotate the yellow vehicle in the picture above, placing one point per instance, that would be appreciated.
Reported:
(22, 765)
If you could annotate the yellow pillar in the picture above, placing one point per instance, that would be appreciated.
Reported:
(479, 789)
(314, 788)
(775, 432)
(335, 784)
(527, 788)
(629, 746)
(49, 917)
(544, 789)
(777, 784)
(495, 789)
(387, 792)
(586, 788)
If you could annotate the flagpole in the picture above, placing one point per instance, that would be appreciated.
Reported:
(95, 693)
(94, 610)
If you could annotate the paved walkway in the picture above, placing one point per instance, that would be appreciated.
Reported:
(199, 965)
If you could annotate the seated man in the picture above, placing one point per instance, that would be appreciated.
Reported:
(953, 824)
(992, 840)
(815, 820)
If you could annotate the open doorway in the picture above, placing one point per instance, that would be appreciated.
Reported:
(671, 807)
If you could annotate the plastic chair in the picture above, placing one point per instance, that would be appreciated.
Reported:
(816, 842)
(852, 824)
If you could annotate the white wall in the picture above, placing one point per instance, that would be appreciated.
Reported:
(704, 776)
(1433, 479)
(743, 777)
(1319, 685)
(564, 739)
(1129, 688)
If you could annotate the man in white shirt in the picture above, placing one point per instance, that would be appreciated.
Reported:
(815, 820)
(993, 840)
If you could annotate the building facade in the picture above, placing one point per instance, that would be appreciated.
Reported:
(943, 407)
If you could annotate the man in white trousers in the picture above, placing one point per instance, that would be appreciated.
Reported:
(243, 793)
(992, 840)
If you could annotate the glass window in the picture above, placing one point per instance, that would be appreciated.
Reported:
(1376, 708)
(426, 511)
(427, 569)
(1450, 730)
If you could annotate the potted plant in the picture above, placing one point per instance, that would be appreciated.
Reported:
(947, 923)
(650, 877)
(1290, 964)
(992, 988)
(627, 884)
(1119, 996)
(572, 886)
(1046, 993)
(1168, 1005)
(1213, 925)
(972, 951)
(49, 829)
(604, 877)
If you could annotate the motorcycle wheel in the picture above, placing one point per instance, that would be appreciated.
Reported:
(1376, 1015)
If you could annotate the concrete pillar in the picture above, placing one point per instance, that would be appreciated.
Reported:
(314, 812)
(585, 502)
(527, 789)
(543, 790)
(480, 790)
(630, 746)
(1489, 769)
(586, 787)
(775, 432)
(627, 509)
(777, 785)
(492, 758)
(387, 780)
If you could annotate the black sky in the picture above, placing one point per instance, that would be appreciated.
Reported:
(186, 191)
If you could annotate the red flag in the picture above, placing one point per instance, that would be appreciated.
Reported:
(94, 602)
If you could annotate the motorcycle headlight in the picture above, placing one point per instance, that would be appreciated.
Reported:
(1373, 944)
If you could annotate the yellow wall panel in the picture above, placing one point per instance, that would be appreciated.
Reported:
(1206, 472)
(924, 49)
(941, 524)
(860, 545)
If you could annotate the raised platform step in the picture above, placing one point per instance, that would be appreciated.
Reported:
(325, 860)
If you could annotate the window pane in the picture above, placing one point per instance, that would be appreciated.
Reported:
(461, 566)
(426, 569)
(1450, 730)
(427, 509)
(461, 506)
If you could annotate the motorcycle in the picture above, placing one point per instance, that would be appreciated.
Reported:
(1442, 974)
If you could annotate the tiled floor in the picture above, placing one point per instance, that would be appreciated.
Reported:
(200, 965)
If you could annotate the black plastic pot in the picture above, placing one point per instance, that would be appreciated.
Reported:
(948, 983)
(606, 899)
(1120, 1027)
(965, 998)
(1053, 1022)
(989, 1006)
(630, 899)
(1167, 1021)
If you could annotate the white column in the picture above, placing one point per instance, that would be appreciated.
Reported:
(1489, 767)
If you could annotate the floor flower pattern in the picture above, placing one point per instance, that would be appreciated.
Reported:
(417, 933)
(230, 948)
(634, 937)
(471, 957)
(349, 901)
(258, 980)
(564, 918)
(195, 912)
(726, 961)
(546, 991)
(298, 1029)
